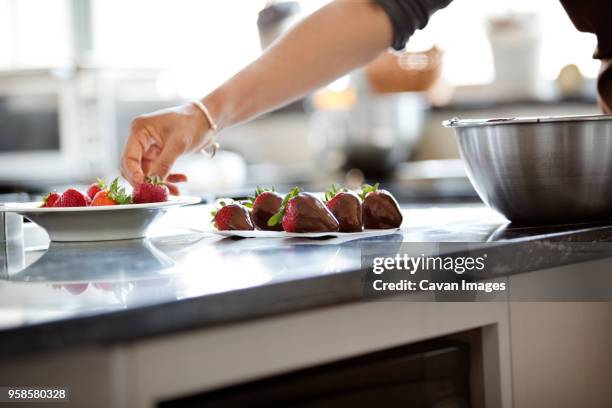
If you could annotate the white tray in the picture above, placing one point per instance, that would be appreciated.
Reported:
(283, 234)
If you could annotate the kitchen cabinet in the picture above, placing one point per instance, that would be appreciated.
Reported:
(561, 355)
(533, 354)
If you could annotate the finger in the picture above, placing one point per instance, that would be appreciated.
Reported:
(163, 164)
(176, 178)
(149, 157)
(146, 167)
(131, 163)
(152, 152)
(174, 190)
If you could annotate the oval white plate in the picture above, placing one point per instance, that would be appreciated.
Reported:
(102, 223)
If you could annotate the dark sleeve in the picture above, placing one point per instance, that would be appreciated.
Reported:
(407, 16)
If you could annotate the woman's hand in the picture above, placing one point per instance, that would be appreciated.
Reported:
(157, 139)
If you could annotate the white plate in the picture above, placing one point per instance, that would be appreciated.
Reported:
(101, 223)
(283, 234)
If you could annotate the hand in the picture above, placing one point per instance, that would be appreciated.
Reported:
(157, 139)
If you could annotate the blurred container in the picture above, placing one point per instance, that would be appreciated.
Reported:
(226, 170)
(405, 72)
(11, 243)
(374, 134)
(515, 43)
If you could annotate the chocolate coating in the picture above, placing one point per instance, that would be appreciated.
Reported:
(240, 219)
(310, 215)
(381, 211)
(346, 207)
(266, 206)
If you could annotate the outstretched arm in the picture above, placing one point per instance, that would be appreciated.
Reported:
(341, 36)
(334, 40)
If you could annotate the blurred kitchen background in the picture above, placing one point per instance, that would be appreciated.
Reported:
(73, 73)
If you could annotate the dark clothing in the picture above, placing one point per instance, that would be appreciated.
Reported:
(592, 16)
(407, 16)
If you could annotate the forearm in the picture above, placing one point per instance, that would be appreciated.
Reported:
(331, 42)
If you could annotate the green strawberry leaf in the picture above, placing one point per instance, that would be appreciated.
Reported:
(332, 191)
(222, 202)
(366, 188)
(101, 184)
(258, 191)
(156, 180)
(278, 217)
(275, 219)
(123, 198)
(118, 194)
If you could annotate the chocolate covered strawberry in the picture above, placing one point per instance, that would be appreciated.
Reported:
(50, 200)
(346, 207)
(95, 188)
(264, 204)
(232, 217)
(114, 195)
(304, 212)
(380, 209)
(153, 190)
(72, 198)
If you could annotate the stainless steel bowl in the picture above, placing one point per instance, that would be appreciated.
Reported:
(540, 170)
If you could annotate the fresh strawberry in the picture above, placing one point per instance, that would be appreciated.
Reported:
(72, 198)
(346, 207)
(304, 212)
(76, 288)
(153, 190)
(96, 187)
(50, 200)
(101, 199)
(113, 196)
(232, 217)
(264, 204)
(380, 209)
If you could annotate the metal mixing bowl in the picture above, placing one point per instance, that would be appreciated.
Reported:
(540, 170)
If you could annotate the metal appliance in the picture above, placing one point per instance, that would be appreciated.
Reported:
(48, 127)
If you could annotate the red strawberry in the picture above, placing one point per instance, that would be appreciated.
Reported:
(153, 190)
(95, 188)
(50, 200)
(76, 288)
(232, 217)
(304, 212)
(263, 206)
(346, 207)
(380, 209)
(102, 199)
(113, 196)
(72, 198)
